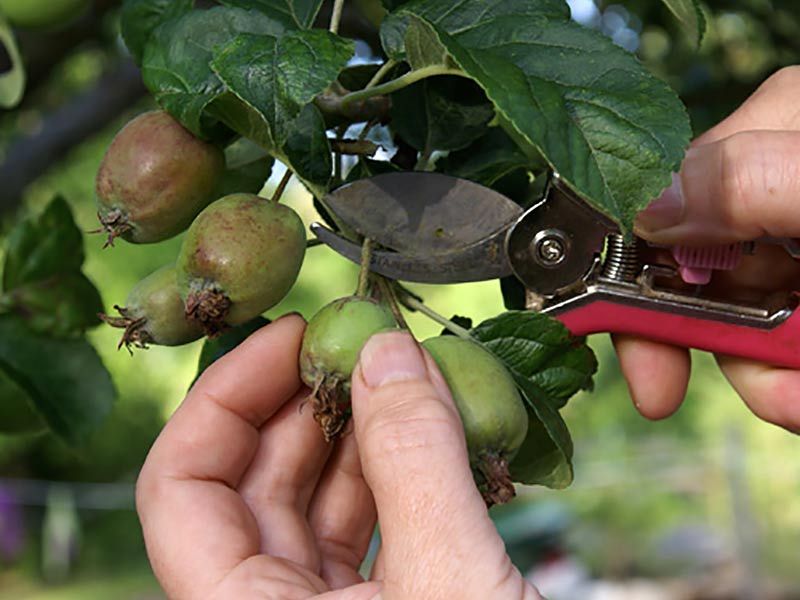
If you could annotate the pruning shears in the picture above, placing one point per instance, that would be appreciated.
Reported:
(573, 261)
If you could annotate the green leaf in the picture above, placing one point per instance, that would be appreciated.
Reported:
(487, 160)
(356, 77)
(65, 379)
(279, 76)
(214, 349)
(140, 18)
(17, 413)
(62, 306)
(273, 82)
(690, 15)
(247, 168)
(42, 278)
(613, 131)
(549, 366)
(307, 149)
(12, 81)
(422, 47)
(175, 64)
(297, 13)
(366, 167)
(540, 350)
(545, 457)
(393, 4)
(43, 247)
(442, 113)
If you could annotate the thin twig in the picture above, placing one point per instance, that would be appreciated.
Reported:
(415, 304)
(396, 84)
(363, 274)
(313, 243)
(336, 15)
(366, 129)
(278, 193)
(387, 289)
(424, 160)
(381, 73)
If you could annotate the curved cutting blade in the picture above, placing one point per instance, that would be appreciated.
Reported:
(478, 262)
(422, 214)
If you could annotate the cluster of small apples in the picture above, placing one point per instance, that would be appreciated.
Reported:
(240, 256)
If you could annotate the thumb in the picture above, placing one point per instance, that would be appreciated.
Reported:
(437, 538)
(736, 189)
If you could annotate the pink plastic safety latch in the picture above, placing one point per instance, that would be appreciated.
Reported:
(695, 265)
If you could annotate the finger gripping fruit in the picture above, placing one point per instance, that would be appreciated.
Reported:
(331, 344)
(154, 179)
(154, 314)
(240, 257)
(492, 411)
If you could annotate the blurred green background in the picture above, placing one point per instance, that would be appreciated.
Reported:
(703, 505)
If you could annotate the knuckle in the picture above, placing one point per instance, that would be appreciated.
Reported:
(786, 77)
(758, 178)
(741, 174)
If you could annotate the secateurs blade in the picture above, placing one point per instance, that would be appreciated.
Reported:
(573, 261)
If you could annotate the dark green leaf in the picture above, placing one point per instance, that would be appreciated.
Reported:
(545, 457)
(393, 35)
(690, 15)
(613, 131)
(540, 350)
(356, 77)
(295, 13)
(392, 4)
(366, 167)
(175, 65)
(422, 47)
(442, 113)
(549, 366)
(43, 247)
(274, 81)
(17, 413)
(215, 349)
(247, 168)
(61, 306)
(42, 279)
(278, 77)
(12, 81)
(140, 18)
(487, 159)
(307, 149)
(65, 379)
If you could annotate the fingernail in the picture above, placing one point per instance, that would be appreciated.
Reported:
(390, 357)
(666, 210)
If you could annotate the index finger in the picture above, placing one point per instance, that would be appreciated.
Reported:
(773, 106)
(196, 525)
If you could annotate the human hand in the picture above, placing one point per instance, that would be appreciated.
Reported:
(240, 496)
(738, 182)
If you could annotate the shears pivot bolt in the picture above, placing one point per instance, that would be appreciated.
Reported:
(550, 247)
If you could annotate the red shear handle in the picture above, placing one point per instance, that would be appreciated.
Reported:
(779, 346)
